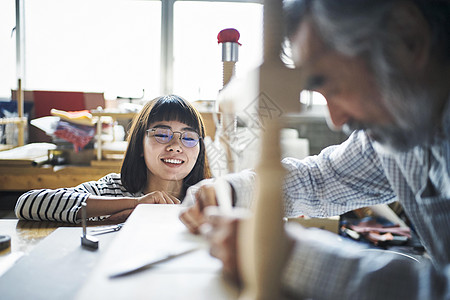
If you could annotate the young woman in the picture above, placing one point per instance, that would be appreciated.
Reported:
(165, 155)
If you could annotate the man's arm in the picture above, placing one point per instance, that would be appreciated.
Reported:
(322, 266)
(339, 179)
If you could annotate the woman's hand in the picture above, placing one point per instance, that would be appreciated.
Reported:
(158, 197)
(120, 216)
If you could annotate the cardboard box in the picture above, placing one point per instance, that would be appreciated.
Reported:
(330, 224)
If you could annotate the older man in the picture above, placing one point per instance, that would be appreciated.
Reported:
(384, 68)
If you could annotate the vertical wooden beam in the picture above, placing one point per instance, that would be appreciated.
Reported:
(262, 244)
(20, 50)
(22, 122)
(262, 241)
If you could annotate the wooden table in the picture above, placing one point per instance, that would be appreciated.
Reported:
(25, 235)
(51, 263)
(152, 230)
(46, 260)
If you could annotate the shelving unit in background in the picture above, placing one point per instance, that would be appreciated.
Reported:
(114, 116)
(20, 121)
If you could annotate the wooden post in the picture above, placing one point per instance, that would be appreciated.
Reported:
(22, 122)
(262, 242)
(230, 56)
(265, 244)
(98, 135)
(229, 69)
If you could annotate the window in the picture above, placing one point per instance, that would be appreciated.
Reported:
(198, 56)
(97, 46)
(310, 98)
(115, 46)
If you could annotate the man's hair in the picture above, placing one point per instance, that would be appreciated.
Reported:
(165, 108)
(358, 27)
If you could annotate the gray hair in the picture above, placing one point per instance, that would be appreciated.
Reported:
(358, 28)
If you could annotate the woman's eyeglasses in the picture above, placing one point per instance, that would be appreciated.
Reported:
(164, 135)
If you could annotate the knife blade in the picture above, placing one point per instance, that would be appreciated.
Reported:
(106, 229)
(137, 267)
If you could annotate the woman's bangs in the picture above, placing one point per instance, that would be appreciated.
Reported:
(174, 110)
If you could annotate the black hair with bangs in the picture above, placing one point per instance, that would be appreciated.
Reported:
(174, 108)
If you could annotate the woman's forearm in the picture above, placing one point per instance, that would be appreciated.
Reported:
(102, 206)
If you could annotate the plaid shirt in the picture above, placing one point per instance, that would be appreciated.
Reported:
(355, 174)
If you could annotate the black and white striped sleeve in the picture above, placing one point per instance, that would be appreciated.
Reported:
(63, 204)
(50, 205)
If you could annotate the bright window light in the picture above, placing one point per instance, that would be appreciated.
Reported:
(96, 46)
(312, 98)
(198, 57)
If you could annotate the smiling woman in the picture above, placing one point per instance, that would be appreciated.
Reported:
(165, 155)
(172, 113)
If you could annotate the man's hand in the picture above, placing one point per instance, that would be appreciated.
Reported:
(221, 233)
(194, 217)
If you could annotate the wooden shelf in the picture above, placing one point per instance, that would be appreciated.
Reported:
(27, 177)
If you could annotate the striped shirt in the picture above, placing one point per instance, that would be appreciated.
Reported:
(355, 174)
(63, 204)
